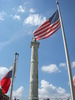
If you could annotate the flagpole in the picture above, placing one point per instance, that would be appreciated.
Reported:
(13, 74)
(67, 55)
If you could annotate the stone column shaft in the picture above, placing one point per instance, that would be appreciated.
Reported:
(34, 71)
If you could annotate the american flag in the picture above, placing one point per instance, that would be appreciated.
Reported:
(48, 27)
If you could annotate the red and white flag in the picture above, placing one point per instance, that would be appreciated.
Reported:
(48, 28)
(5, 82)
(74, 83)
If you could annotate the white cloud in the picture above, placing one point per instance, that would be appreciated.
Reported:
(73, 64)
(21, 9)
(2, 15)
(34, 20)
(50, 69)
(61, 90)
(31, 10)
(3, 71)
(18, 93)
(62, 65)
(16, 17)
(48, 90)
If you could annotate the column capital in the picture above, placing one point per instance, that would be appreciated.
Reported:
(35, 43)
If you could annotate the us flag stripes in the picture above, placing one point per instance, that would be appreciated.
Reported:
(48, 28)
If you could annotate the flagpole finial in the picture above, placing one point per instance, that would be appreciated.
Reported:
(17, 53)
(57, 1)
(16, 56)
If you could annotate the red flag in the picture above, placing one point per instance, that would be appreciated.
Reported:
(74, 83)
(5, 82)
(48, 28)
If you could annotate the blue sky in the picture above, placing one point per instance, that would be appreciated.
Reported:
(18, 20)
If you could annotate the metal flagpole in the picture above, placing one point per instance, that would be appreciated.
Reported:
(13, 74)
(67, 56)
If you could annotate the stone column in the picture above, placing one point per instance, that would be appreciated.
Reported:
(34, 71)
